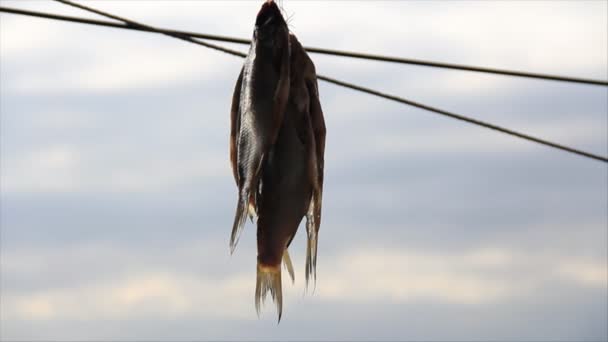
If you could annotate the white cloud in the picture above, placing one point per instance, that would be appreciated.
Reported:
(132, 64)
(372, 274)
(70, 168)
(477, 276)
(587, 273)
(142, 295)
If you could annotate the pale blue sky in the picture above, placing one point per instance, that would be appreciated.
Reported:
(117, 197)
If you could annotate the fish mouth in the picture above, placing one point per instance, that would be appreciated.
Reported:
(269, 17)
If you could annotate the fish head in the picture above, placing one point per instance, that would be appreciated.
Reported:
(271, 29)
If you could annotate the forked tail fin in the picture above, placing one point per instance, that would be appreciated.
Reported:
(268, 280)
(240, 217)
(288, 265)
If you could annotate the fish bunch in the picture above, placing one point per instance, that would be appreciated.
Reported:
(277, 144)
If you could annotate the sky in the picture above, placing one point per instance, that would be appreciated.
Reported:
(117, 198)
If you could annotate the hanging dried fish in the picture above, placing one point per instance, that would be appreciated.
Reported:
(277, 144)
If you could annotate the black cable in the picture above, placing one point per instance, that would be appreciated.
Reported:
(317, 50)
(462, 118)
(359, 88)
(132, 25)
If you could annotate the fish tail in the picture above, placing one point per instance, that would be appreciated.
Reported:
(268, 280)
(288, 265)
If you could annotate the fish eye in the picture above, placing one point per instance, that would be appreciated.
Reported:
(268, 20)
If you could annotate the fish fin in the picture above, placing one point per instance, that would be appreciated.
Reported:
(288, 265)
(268, 279)
(240, 217)
(311, 245)
(253, 215)
(319, 131)
(235, 123)
(247, 201)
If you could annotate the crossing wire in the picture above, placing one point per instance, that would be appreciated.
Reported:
(351, 54)
(179, 35)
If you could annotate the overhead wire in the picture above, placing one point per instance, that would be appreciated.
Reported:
(176, 34)
(462, 118)
(340, 53)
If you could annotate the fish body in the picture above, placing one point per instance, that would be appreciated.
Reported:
(276, 149)
(283, 203)
(264, 89)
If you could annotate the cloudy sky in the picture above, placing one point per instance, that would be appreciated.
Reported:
(117, 197)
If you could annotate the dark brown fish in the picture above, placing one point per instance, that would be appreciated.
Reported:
(257, 111)
(288, 181)
(304, 103)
